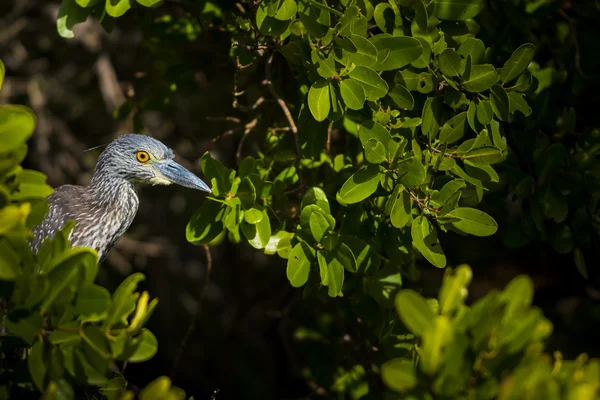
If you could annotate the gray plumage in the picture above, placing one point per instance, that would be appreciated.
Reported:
(105, 209)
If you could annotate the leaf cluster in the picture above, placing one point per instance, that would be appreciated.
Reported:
(493, 349)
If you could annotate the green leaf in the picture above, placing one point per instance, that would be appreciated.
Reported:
(373, 130)
(373, 85)
(353, 94)
(315, 195)
(399, 374)
(254, 215)
(2, 73)
(16, 126)
(485, 155)
(485, 113)
(375, 152)
(268, 25)
(421, 15)
(298, 265)
(481, 78)
(500, 102)
(457, 10)
(318, 225)
(432, 117)
(278, 242)
(435, 337)
(220, 176)
(69, 14)
(411, 172)
(451, 63)
(116, 8)
(151, 3)
(385, 18)
(474, 48)
(92, 302)
(287, 10)
(361, 184)
(246, 192)
(425, 58)
(401, 210)
(345, 22)
(454, 292)
(449, 189)
(207, 223)
(517, 102)
(454, 129)
(473, 221)
(24, 324)
(259, 234)
(384, 285)
(364, 54)
(365, 256)
(424, 236)
(335, 273)
(141, 348)
(413, 310)
(326, 66)
(394, 52)
(402, 97)
(36, 365)
(318, 100)
(518, 62)
(124, 301)
(9, 261)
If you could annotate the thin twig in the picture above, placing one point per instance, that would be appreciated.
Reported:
(195, 314)
(328, 145)
(288, 115)
(248, 128)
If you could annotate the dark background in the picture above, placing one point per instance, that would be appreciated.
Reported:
(243, 338)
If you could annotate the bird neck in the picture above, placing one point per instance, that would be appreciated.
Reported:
(111, 190)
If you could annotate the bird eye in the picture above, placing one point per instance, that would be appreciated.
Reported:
(142, 156)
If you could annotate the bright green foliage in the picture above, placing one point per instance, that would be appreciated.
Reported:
(463, 352)
(70, 329)
(396, 138)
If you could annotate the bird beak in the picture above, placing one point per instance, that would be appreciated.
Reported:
(176, 173)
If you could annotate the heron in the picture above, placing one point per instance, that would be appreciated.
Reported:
(105, 209)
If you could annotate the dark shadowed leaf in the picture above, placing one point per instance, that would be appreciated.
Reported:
(402, 97)
(500, 102)
(395, 52)
(457, 10)
(425, 239)
(454, 129)
(411, 172)
(207, 223)
(451, 63)
(481, 78)
(518, 62)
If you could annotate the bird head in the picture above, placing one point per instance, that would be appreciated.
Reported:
(142, 159)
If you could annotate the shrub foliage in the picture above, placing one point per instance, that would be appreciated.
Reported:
(400, 125)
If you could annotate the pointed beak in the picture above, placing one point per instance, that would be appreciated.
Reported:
(176, 173)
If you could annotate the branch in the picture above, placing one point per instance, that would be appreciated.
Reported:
(288, 115)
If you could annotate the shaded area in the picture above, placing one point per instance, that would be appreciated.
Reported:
(243, 341)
